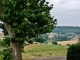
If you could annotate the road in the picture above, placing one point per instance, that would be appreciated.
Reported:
(51, 58)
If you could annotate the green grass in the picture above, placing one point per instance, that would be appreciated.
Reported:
(44, 50)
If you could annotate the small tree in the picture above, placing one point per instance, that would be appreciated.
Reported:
(54, 42)
(23, 18)
(40, 40)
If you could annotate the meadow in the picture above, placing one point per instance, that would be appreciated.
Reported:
(44, 50)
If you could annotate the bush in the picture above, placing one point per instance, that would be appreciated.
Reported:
(73, 52)
(67, 44)
(46, 42)
(59, 44)
(5, 42)
(55, 43)
(40, 40)
(5, 54)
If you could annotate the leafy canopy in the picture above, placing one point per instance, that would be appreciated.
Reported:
(28, 17)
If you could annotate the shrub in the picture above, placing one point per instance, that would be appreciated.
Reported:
(40, 40)
(6, 50)
(59, 44)
(55, 43)
(73, 52)
(5, 54)
(67, 44)
(5, 42)
(46, 42)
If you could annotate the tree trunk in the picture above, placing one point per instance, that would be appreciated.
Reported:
(16, 50)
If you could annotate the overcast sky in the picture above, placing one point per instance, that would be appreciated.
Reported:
(67, 12)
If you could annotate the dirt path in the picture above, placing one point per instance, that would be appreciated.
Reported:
(51, 58)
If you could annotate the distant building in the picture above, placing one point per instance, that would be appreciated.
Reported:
(52, 35)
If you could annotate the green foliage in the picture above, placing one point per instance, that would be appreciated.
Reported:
(30, 42)
(0, 43)
(62, 37)
(6, 50)
(70, 30)
(5, 42)
(1, 8)
(40, 40)
(73, 52)
(67, 44)
(66, 32)
(55, 43)
(28, 18)
(5, 54)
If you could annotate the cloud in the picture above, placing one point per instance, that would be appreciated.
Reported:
(71, 4)
(65, 4)
(66, 12)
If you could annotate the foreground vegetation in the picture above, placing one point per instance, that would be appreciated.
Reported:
(41, 50)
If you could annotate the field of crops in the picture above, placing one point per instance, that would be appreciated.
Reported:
(43, 50)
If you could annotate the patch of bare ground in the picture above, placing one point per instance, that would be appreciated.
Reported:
(67, 42)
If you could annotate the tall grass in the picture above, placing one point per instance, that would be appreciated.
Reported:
(44, 50)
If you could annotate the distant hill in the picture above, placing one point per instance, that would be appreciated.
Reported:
(67, 30)
(63, 33)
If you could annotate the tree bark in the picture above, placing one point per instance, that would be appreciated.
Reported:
(16, 50)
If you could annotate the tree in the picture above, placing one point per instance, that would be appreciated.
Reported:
(40, 40)
(23, 18)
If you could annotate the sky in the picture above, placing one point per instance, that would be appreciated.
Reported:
(67, 12)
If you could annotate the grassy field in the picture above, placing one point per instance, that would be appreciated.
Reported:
(43, 50)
